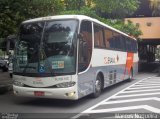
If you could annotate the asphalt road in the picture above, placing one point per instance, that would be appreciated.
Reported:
(139, 96)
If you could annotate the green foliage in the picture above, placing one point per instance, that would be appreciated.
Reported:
(84, 11)
(41, 8)
(155, 6)
(74, 4)
(119, 24)
(116, 8)
(128, 27)
(8, 18)
(112, 8)
(13, 12)
(131, 29)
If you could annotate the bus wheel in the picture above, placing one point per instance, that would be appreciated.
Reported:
(130, 76)
(98, 87)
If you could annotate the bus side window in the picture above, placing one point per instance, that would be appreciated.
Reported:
(113, 41)
(128, 45)
(117, 41)
(123, 43)
(134, 46)
(108, 36)
(85, 45)
(98, 36)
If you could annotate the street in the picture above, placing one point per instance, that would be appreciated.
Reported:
(57, 57)
(139, 96)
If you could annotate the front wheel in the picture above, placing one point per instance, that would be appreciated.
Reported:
(98, 87)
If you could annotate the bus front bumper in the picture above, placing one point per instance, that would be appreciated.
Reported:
(55, 93)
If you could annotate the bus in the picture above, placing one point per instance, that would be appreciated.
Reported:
(71, 56)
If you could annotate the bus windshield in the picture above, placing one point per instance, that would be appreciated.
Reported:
(46, 48)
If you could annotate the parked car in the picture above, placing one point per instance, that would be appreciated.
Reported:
(3, 64)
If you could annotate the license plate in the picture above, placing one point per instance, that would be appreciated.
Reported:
(38, 93)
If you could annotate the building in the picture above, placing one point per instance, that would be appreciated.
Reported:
(150, 27)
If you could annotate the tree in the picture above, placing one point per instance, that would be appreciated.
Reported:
(116, 8)
(8, 17)
(41, 8)
(155, 6)
(91, 11)
(13, 12)
(74, 4)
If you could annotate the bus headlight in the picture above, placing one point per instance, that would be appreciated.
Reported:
(65, 85)
(18, 83)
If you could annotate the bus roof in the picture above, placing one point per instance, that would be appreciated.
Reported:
(79, 17)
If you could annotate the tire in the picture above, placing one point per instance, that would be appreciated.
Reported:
(4, 68)
(130, 76)
(98, 87)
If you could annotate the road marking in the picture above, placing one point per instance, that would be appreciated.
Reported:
(145, 87)
(107, 99)
(137, 91)
(147, 81)
(131, 100)
(114, 95)
(151, 81)
(146, 107)
(140, 85)
(135, 95)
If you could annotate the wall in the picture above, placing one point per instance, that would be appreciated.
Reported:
(150, 26)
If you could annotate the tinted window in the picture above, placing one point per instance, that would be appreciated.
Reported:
(85, 45)
(47, 48)
(123, 43)
(98, 37)
(128, 45)
(117, 41)
(107, 36)
(134, 46)
(113, 40)
(131, 45)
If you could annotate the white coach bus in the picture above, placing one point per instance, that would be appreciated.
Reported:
(71, 56)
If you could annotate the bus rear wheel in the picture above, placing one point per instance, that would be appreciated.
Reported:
(98, 87)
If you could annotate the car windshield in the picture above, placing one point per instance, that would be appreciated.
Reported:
(46, 48)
